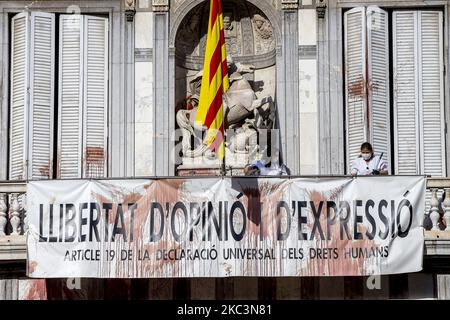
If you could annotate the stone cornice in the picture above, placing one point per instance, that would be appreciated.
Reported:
(13, 248)
(160, 5)
(289, 4)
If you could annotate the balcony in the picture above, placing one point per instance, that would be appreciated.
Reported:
(13, 219)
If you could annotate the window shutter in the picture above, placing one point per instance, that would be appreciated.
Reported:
(32, 102)
(18, 96)
(70, 97)
(42, 62)
(419, 102)
(405, 92)
(355, 80)
(83, 96)
(431, 94)
(95, 96)
(378, 81)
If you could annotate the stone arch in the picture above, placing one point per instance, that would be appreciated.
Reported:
(185, 8)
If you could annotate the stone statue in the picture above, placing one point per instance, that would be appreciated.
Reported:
(263, 33)
(243, 112)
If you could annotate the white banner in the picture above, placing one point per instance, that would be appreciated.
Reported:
(230, 227)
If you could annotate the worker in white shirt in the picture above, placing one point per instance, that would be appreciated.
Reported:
(368, 164)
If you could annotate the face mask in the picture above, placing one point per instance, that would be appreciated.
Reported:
(366, 156)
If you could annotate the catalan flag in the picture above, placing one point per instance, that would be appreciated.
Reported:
(214, 81)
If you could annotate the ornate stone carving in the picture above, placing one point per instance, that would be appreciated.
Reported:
(130, 10)
(289, 4)
(263, 34)
(160, 5)
(232, 32)
(189, 35)
(321, 7)
(247, 30)
(243, 112)
(250, 40)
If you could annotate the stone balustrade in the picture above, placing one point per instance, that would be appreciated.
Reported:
(438, 216)
(13, 221)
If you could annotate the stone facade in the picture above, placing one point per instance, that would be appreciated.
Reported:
(156, 47)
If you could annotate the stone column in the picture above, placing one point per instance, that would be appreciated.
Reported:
(144, 85)
(130, 12)
(162, 109)
(5, 96)
(287, 88)
(117, 134)
(308, 131)
(331, 104)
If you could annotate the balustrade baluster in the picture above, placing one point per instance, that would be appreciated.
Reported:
(434, 214)
(3, 214)
(15, 214)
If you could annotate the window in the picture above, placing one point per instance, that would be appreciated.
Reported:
(79, 99)
(412, 106)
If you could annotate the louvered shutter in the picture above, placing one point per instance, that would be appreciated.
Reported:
(18, 96)
(70, 97)
(418, 76)
(431, 93)
(405, 92)
(32, 96)
(83, 96)
(95, 96)
(42, 73)
(355, 80)
(378, 81)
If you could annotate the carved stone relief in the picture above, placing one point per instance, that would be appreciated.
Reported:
(251, 42)
(248, 33)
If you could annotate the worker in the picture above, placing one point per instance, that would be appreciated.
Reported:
(368, 164)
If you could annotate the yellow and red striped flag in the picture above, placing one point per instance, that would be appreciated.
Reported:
(214, 81)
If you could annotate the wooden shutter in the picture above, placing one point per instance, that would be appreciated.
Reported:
(431, 93)
(32, 96)
(70, 97)
(95, 96)
(405, 92)
(355, 80)
(19, 96)
(83, 96)
(42, 73)
(418, 92)
(378, 81)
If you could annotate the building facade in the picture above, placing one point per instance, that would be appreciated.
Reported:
(93, 89)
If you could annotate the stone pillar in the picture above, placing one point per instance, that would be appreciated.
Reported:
(331, 104)
(308, 131)
(287, 88)
(443, 286)
(5, 97)
(144, 85)
(162, 108)
(130, 12)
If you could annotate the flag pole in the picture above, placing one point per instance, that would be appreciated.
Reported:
(215, 83)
